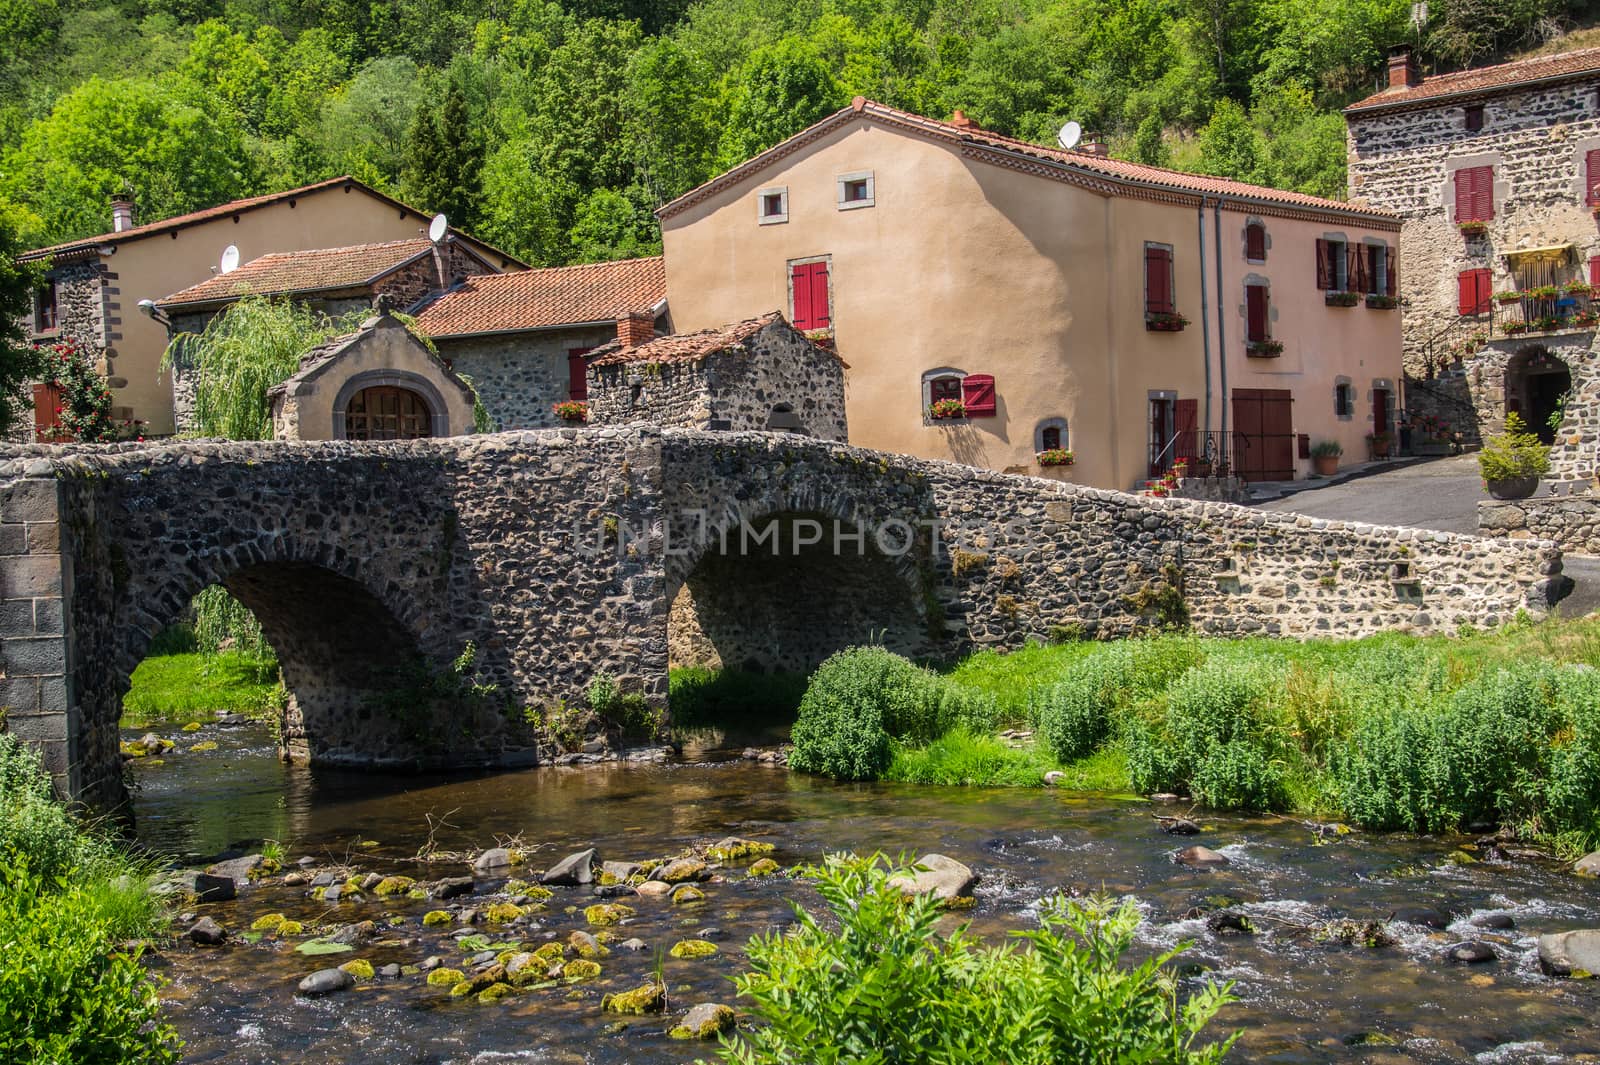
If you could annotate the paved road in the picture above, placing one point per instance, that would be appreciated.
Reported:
(1442, 494)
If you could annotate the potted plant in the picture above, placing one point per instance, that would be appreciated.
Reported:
(1325, 457)
(1544, 292)
(1378, 301)
(1577, 288)
(1380, 444)
(947, 409)
(572, 410)
(1264, 349)
(1055, 456)
(1513, 328)
(1513, 462)
(1472, 228)
(1341, 299)
(1165, 322)
(1509, 296)
(1180, 469)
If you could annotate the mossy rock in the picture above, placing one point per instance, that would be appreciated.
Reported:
(607, 936)
(193, 726)
(494, 993)
(586, 946)
(607, 913)
(354, 884)
(505, 956)
(359, 968)
(516, 887)
(609, 880)
(393, 885)
(764, 867)
(445, 977)
(271, 922)
(693, 948)
(502, 913)
(461, 990)
(434, 918)
(580, 969)
(687, 893)
(683, 870)
(204, 746)
(134, 749)
(733, 849)
(550, 952)
(705, 1021)
(537, 893)
(647, 998)
(291, 928)
(416, 894)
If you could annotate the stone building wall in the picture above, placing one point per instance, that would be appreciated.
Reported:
(520, 376)
(667, 394)
(1571, 521)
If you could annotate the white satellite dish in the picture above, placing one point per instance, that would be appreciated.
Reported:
(1069, 135)
(230, 258)
(438, 228)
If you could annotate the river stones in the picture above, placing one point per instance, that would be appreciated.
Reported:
(682, 870)
(1500, 921)
(733, 848)
(605, 914)
(1426, 916)
(585, 945)
(322, 880)
(647, 998)
(360, 968)
(946, 879)
(240, 870)
(325, 982)
(208, 887)
(1201, 858)
(1178, 826)
(1588, 865)
(693, 948)
(451, 887)
(573, 870)
(1571, 953)
(621, 871)
(492, 862)
(706, 1020)
(393, 885)
(1471, 952)
(684, 894)
(1230, 923)
(762, 867)
(633, 946)
(206, 932)
(653, 888)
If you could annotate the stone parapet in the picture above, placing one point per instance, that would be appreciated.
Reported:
(1573, 522)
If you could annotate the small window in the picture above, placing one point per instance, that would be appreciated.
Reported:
(1333, 265)
(46, 317)
(809, 295)
(1255, 242)
(1344, 400)
(856, 190)
(1474, 117)
(1472, 291)
(773, 206)
(1474, 194)
(948, 387)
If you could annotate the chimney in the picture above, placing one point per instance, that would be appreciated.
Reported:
(1403, 70)
(1093, 145)
(121, 213)
(636, 329)
(961, 121)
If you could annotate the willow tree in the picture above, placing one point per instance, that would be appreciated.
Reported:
(243, 352)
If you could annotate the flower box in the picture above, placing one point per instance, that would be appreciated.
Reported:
(1473, 228)
(947, 410)
(1264, 349)
(571, 410)
(1508, 297)
(1055, 456)
(1577, 288)
(1544, 292)
(1165, 322)
(1513, 328)
(1380, 302)
(1341, 299)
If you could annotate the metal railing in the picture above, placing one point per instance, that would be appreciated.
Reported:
(1538, 312)
(1205, 453)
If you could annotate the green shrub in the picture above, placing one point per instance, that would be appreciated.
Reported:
(1514, 453)
(35, 830)
(887, 987)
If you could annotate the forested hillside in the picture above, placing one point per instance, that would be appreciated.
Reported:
(554, 130)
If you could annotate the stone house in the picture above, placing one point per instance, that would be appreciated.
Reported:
(761, 374)
(378, 383)
(332, 281)
(1046, 299)
(93, 287)
(1496, 173)
(524, 339)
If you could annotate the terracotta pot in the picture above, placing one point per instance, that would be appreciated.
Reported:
(1513, 487)
(1325, 465)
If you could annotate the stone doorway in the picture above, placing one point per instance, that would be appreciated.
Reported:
(1537, 382)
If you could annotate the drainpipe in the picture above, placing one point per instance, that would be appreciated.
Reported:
(1205, 316)
(1222, 328)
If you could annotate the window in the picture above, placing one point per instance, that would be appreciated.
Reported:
(1472, 288)
(1591, 177)
(856, 190)
(1377, 271)
(1257, 315)
(578, 374)
(1158, 292)
(387, 413)
(1333, 265)
(1475, 194)
(1474, 117)
(45, 314)
(808, 288)
(772, 205)
(974, 391)
(948, 387)
(1344, 400)
(1255, 242)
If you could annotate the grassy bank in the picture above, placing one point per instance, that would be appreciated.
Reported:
(193, 686)
(71, 989)
(1389, 732)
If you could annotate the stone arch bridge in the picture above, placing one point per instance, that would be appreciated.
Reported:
(562, 554)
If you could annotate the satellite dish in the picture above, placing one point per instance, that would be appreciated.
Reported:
(1068, 137)
(230, 258)
(438, 228)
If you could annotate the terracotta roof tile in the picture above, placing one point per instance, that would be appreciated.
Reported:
(540, 299)
(1485, 79)
(317, 270)
(1114, 171)
(684, 347)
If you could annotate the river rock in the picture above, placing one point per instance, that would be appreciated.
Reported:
(1567, 953)
(492, 862)
(654, 887)
(633, 946)
(942, 877)
(324, 880)
(1426, 916)
(707, 1020)
(681, 871)
(1469, 953)
(209, 888)
(390, 971)
(326, 982)
(238, 869)
(620, 870)
(1201, 858)
(574, 869)
(1588, 865)
(1054, 777)
(451, 887)
(206, 932)
(1499, 921)
(1179, 826)
(1229, 923)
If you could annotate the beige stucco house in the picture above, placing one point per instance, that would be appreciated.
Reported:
(1052, 299)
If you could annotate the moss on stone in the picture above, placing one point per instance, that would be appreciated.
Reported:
(550, 951)
(134, 749)
(580, 969)
(502, 913)
(494, 993)
(607, 913)
(359, 968)
(586, 946)
(290, 928)
(515, 887)
(416, 894)
(647, 998)
(434, 918)
(445, 977)
(204, 746)
(703, 1022)
(687, 893)
(732, 849)
(271, 922)
(764, 867)
(393, 885)
(608, 879)
(193, 726)
(693, 948)
(534, 891)
(461, 990)
(684, 869)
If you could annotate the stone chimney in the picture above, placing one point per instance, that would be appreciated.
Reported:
(961, 121)
(636, 329)
(1093, 145)
(1404, 73)
(121, 213)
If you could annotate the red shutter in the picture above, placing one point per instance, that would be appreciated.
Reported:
(800, 283)
(977, 395)
(46, 411)
(1255, 242)
(1472, 291)
(1188, 429)
(810, 284)
(1483, 192)
(1591, 179)
(1370, 252)
(1594, 270)
(820, 311)
(1255, 298)
(1391, 267)
(1464, 196)
(578, 374)
(1355, 268)
(1157, 281)
(1324, 278)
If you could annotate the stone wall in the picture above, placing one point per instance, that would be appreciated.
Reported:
(1571, 521)
(557, 555)
(1535, 140)
(520, 376)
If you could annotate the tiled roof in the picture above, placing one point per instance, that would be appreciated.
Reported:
(1112, 175)
(684, 347)
(318, 270)
(541, 299)
(1486, 79)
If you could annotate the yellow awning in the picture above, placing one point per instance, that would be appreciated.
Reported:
(1554, 254)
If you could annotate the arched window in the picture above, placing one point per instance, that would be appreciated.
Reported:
(1050, 435)
(385, 412)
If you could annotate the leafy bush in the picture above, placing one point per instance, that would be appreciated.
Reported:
(35, 829)
(961, 759)
(1514, 453)
(888, 987)
(1075, 715)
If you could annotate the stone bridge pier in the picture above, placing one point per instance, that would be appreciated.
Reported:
(432, 602)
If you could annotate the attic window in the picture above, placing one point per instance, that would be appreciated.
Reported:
(856, 190)
(773, 206)
(1474, 118)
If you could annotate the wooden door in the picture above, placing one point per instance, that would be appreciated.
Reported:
(1263, 434)
(1163, 423)
(1380, 410)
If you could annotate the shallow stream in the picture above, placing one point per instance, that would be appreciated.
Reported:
(1301, 999)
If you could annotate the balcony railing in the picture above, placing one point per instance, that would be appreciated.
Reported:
(1536, 312)
(1204, 453)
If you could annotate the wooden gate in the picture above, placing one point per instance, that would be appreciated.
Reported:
(1263, 434)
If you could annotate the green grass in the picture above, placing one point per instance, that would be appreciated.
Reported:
(961, 759)
(1012, 679)
(192, 687)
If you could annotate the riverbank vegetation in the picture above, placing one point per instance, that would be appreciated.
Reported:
(1389, 732)
(71, 985)
(214, 661)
